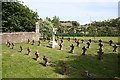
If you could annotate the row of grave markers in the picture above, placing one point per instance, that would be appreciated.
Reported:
(64, 65)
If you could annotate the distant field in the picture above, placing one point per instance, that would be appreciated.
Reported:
(17, 65)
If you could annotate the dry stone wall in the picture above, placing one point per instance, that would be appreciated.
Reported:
(18, 37)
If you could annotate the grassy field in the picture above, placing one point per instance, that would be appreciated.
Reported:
(19, 65)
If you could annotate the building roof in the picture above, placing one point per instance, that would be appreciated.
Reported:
(66, 24)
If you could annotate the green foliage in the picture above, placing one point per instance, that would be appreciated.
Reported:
(96, 28)
(48, 24)
(91, 30)
(105, 28)
(75, 23)
(110, 23)
(46, 27)
(56, 22)
(16, 17)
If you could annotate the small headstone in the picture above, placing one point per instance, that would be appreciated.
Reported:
(44, 39)
(84, 50)
(78, 43)
(8, 44)
(75, 40)
(88, 44)
(37, 55)
(64, 67)
(90, 40)
(100, 45)
(21, 49)
(39, 43)
(48, 38)
(29, 50)
(87, 76)
(33, 42)
(115, 47)
(100, 40)
(28, 41)
(110, 42)
(72, 48)
(13, 45)
(100, 54)
(46, 61)
(61, 45)
(82, 40)
(62, 37)
(69, 39)
(61, 40)
(56, 40)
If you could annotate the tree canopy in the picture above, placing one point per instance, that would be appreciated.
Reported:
(17, 17)
(111, 23)
(105, 28)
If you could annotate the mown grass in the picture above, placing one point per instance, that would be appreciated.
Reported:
(19, 65)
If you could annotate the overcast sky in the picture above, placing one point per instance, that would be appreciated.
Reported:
(83, 11)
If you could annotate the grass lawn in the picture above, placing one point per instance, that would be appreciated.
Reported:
(19, 65)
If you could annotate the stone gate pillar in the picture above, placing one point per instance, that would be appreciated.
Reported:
(37, 27)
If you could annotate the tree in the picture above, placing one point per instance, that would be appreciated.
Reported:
(92, 30)
(84, 30)
(16, 17)
(46, 28)
(108, 27)
(56, 22)
(75, 23)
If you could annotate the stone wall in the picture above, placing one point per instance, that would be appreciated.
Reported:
(18, 37)
(0, 38)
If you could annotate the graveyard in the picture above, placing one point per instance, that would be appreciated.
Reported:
(66, 46)
(20, 65)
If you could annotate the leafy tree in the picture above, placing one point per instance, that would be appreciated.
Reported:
(75, 23)
(56, 24)
(92, 30)
(56, 21)
(47, 18)
(46, 27)
(84, 30)
(105, 31)
(16, 17)
(107, 27)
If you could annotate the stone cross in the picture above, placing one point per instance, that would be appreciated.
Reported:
(54, 43)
